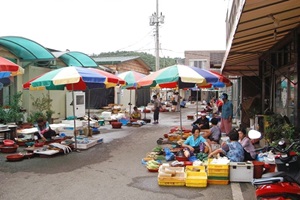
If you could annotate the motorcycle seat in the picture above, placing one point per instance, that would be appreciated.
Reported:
(268, 180)
(273, 174)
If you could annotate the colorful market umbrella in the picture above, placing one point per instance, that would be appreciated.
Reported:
(179, 76)
(4, 82)
(71, 78)
(222, 82)
(8, 66)
(111, 79)
(131, 78)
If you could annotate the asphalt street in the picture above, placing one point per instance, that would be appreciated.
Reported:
(110, 170)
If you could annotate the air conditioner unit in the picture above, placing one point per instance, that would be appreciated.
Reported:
(53, 62)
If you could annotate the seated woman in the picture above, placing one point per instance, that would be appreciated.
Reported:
(249, 150)
(136, 114)
(44, 130)
(192, 143)
(233, 150)
(214, 132)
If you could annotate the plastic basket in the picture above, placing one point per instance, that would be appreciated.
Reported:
(218, 182)
(217, 169)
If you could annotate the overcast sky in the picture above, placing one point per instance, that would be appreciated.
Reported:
(95, 26)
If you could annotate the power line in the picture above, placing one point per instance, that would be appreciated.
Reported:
(136, 41)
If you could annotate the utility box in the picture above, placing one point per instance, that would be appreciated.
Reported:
(241, 171)
(78, 102)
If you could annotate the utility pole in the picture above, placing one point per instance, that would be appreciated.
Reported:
(155, 20)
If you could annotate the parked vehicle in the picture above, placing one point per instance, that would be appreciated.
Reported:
(285, 183)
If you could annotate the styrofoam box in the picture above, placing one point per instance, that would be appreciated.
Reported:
(88, 145)
(241, 171)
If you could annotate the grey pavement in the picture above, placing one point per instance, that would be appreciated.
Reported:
(110, 170)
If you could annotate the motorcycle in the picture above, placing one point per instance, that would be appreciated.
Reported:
(285, 182)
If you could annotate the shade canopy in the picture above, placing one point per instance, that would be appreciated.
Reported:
(9, 66)
(26, 49)
(78, 59)
(131, 78)
(72, 78)
(180, 76)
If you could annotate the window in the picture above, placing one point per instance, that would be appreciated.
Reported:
(201, 63)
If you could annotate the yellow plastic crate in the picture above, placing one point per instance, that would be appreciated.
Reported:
(195, 168)
(175, 180)
(218, 182)
(197, 184)
(217, 169)
(217, 172)
(163, 183)
(196, 179)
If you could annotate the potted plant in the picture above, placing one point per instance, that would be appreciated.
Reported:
(42, 108)
(278, 127)
(12, 113)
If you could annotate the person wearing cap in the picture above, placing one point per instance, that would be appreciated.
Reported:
(202, 122)
(226, 114)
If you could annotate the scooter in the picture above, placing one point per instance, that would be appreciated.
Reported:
(285, 183)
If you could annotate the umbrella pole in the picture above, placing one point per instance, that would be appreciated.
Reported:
(89, 96)
(197, 104)
(129, 103)
(180, 115)
(73, 96)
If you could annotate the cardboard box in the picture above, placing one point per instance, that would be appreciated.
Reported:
(241, 171)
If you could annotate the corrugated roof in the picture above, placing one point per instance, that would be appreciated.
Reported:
(114, 60)
(78, 59)
(26, 49)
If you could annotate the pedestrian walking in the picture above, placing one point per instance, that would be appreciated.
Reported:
(155, 109)
(226, 114)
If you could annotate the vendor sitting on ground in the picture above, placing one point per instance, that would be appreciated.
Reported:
(193, 143)
(233, 150)
(183, 103)
(44, 130)
(214, 133)
(202, 122)
(249, 152)
(136, 114)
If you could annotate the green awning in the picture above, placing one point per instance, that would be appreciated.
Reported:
(25, 49)
(78, 59)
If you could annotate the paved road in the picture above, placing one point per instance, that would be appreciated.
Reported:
(111, 170)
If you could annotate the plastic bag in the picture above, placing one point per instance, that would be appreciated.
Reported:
(169, 155)
(270, 158)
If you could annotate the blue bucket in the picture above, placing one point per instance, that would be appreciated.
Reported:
(124, 121)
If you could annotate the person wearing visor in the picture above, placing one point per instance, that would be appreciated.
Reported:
(202, 122)
(226, 114)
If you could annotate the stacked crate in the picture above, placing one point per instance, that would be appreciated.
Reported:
(196, 176)
(171, 176)
(217, 174)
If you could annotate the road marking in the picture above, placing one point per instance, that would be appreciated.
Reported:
(236, 191)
